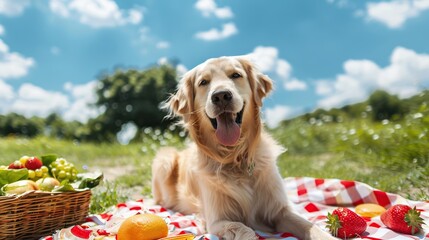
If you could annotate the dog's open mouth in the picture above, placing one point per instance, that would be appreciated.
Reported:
(227, 126)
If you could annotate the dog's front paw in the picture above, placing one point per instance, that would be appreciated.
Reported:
(237, 231)
(316, 233)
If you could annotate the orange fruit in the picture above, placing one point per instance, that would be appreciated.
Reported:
(369, 210)
(143, 227)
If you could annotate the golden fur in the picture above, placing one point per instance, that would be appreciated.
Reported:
(236, 187)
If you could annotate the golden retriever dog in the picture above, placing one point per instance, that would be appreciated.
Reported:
(229, 173)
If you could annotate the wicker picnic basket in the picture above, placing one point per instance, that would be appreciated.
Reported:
(36, 214)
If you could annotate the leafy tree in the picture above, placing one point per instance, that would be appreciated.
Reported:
(15, 124)
(56, 127)
(386, 106)
(132, 96)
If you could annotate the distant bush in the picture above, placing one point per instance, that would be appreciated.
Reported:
(386, 106)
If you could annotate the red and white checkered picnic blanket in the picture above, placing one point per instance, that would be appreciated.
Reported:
(312, 198)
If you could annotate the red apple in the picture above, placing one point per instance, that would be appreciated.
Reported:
(16, 165)
(33, 163)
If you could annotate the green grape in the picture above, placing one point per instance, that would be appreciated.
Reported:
(39, 173)
(44, 169)
(62, 170)
(62, 174)
(31, 174)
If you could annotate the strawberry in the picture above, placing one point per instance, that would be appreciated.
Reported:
(403, 219)
(15, 165)
(344, 223)
(33, 163)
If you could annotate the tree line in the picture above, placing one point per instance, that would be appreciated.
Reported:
(380, 106)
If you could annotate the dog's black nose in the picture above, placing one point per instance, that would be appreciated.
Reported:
(221, 97)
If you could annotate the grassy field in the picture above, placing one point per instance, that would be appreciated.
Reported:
(391, 156)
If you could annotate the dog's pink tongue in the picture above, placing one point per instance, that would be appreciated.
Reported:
(228, 131)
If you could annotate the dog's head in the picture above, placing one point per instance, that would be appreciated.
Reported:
(219, 101)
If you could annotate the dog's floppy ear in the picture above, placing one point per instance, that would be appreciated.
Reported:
(181, 102)
(264, 85)
(261, 84)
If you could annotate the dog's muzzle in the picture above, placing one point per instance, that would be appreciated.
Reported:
(227, 123)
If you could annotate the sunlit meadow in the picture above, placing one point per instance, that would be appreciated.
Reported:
(389, 155)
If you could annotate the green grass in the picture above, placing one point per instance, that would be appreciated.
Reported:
(391, 156)
(106, 195)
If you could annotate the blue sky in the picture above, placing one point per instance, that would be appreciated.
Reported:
(324, 53)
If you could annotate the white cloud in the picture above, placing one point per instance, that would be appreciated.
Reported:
(273, 116)
(59, 7)
(267, 60)
(12, 64)
(2, 31)
(324, 87)
(163, 61)
(295, 84)
(30, 100)
(6, 95)
(181, 70)
(407, 74)
(35, 101)
(396, 12)
(82, 98)
(96, 13)
(163, 45)
(13, 7)
(339, 3)
(214, 34)
(6, 91)
(345, 90)
(283, 69)
(4, 49)
(209, 8)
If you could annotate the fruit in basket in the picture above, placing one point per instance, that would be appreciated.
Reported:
(33, 163)
(143, 227)
(402, 218)
(19, 187)
(344, 223)
(47, 183)
(24, 159)
(62, 170)
(16, 165)
(37, 174)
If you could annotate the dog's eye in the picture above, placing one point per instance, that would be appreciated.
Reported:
(203, 82)
(236, 75)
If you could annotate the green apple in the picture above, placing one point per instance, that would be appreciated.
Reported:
(47, 183)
